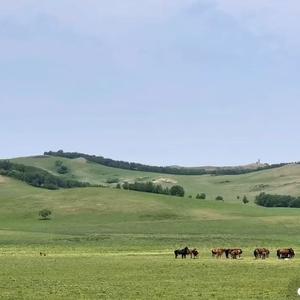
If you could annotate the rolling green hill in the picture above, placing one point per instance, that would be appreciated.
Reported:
(152, 221)
(282, 180)
(104, 243)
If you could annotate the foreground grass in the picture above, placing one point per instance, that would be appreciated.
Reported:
(111, 276)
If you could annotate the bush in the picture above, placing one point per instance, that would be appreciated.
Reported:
(177, 190)
(219, 198)
(268, 200)
(150, 187)
(201, 196)
(58, 163)
(45, 214)
(112, 180)
(60, 168)
(245, 200)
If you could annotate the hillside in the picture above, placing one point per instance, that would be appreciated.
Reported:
(119, 244)
(282, 180)
(110, 216)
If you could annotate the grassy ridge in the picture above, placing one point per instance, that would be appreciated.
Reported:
(284, 180)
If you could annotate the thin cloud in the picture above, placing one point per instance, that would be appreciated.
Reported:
(267, 18)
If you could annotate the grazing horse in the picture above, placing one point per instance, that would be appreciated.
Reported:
(218, 252)
(194, 253)
(234, 253)
(285, 253)
(261, 253)
(183, 252)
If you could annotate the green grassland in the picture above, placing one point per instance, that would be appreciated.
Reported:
(284, 180)
(104, 243)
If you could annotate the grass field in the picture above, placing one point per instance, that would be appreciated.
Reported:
(93, 276)
(104, 243)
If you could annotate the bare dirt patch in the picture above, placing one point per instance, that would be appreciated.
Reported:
(163, 180)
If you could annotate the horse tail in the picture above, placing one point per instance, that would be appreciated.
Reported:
(255, 253)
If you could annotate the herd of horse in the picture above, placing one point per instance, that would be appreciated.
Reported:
(235, 253)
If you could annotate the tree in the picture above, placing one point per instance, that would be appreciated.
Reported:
(295, 203)
(62, 169)
(245, 200)
(45, 214)
(177, 190)
(220, 198)
(58, 163)
(125, 185)
(201, 196)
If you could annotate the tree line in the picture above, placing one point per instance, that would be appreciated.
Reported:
(37, 177)
(158, 169)
(150, 187)
(268, 200)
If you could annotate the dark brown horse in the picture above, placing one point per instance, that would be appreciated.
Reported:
(285, 253)
(261, 253)
(194, 253)
(183, 252)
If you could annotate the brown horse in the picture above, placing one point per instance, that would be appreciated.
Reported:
(285, 253)
(234, 253)
(217, 252)
(194, 253)
(261, 253)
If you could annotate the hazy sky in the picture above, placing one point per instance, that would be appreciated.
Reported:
(187, 82)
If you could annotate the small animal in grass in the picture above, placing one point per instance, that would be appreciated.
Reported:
(43, 254)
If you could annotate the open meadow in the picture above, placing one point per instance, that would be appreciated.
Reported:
(104, 243)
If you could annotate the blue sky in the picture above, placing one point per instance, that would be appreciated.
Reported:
(186, 82)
